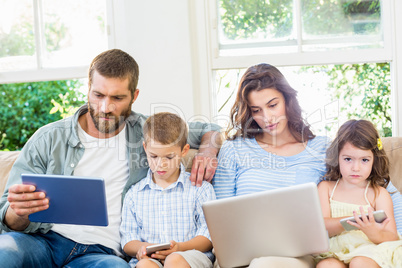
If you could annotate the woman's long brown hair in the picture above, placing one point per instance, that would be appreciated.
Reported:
(259, 77)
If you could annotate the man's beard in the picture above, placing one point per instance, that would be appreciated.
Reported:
(108, 126)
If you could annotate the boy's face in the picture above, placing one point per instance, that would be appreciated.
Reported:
(164, 160)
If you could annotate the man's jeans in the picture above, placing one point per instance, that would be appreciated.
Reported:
(53, 250)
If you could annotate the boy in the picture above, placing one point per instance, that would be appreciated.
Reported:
(164, 206)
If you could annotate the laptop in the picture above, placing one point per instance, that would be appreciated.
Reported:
(285, 222)
(72, 199)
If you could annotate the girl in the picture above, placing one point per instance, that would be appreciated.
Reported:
(356, 178)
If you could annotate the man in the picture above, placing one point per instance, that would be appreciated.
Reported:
(102, 139)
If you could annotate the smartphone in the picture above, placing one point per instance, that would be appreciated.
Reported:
(379, 216)
(157, 247)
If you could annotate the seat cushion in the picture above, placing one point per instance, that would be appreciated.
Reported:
(7, 159)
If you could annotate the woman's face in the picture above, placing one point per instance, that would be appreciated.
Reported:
(268, 109)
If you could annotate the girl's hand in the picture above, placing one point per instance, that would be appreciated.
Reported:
(142, 253)
(368, 225)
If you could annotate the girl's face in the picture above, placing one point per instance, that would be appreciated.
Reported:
(355, 164)
(269, 110)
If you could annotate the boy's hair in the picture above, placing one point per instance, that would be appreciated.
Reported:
(363, 135)
(115, 63)
(166, 128)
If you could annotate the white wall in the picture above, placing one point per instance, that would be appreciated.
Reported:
(157, 34)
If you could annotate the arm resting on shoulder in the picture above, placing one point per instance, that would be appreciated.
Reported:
(205, 162)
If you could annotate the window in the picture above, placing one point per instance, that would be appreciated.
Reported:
(56, 36)
(299, 36)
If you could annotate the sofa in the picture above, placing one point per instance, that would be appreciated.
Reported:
(391, 145)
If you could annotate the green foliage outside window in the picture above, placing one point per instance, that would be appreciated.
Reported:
(25, 107)
(248, 18)
(363, 91)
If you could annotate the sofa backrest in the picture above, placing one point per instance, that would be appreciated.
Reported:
(7, 159)
(392, 147)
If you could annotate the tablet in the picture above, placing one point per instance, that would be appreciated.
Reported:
(72, 199)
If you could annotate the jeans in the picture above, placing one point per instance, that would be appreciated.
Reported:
(53, 250)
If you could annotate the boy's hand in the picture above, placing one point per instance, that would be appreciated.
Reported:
(174, 246)
(142, 253)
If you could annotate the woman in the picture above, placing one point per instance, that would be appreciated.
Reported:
(268, 145)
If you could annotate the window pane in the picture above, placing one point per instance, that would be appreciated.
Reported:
(255, 21)
(339, 24)
(74, 32)
(17, 41)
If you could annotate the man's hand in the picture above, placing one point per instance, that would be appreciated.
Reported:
(204, 166)
(23, 201)
(205, 162)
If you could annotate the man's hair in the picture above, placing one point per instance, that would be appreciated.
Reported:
(166, 128)
(115, 63)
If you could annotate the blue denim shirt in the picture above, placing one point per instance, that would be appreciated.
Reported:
(56, 149)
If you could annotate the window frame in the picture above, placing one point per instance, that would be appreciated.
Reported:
(50, 74)
(210, 60)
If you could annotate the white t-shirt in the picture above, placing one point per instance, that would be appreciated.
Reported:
(107, 159)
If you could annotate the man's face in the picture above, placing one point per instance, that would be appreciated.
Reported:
(110, 103)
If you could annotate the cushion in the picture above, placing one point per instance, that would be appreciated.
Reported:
(7, 159)
(393, 149)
